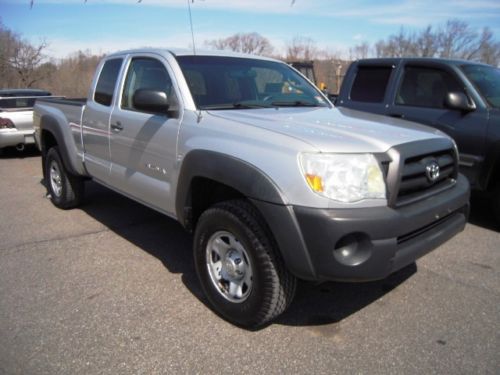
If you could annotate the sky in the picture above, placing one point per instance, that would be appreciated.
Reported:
(103, 26)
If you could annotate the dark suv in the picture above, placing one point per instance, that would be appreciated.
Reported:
(460, 98)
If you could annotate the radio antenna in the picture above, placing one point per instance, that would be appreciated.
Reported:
(191, 23)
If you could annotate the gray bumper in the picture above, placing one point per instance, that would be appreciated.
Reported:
(365, 243)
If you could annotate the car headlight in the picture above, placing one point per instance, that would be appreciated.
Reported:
(344, 177)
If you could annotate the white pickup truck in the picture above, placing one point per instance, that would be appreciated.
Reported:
(16, 117)
(275, 182)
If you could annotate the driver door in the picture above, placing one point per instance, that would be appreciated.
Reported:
(143, 144)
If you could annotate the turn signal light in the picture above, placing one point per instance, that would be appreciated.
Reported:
(315, 182)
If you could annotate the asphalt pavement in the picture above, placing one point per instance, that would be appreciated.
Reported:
(110, 288)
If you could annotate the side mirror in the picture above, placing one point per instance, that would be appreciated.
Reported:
(459, 101)
(150, 101)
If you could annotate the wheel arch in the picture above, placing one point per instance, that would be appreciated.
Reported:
(208, 177)
(52, 134)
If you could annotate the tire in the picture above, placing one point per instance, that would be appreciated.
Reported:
(65, 190)
(239, 267)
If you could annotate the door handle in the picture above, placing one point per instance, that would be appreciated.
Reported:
(117, 127)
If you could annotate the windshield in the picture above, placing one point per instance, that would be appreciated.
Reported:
(487, 81)
(243, 83)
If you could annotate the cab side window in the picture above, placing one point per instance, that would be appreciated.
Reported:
(150, 74)
(107, 81)
(426, 87)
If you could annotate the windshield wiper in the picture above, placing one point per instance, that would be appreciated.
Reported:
(250, 104)
(237, 105)
(294, 103)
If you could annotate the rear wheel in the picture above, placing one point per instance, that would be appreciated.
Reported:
(239, 267)
(65, 190)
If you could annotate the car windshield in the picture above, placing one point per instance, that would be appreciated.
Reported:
(244, 83)
(487, 81)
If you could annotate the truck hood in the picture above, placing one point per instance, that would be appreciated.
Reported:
(333, 129)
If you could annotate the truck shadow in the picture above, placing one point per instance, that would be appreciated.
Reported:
(30, 151)
(327, 303)
(166, 240)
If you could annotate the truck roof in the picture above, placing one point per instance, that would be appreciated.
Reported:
(396, 60)
(189, 52)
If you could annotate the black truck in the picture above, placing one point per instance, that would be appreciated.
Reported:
(460, 98)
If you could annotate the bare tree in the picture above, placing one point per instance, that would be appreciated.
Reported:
(485, 49)
(427, 44)
(23, 64)
(453, 40)
(456, 40)
(75, 74)
(301, 48)
(399, 45)
(379, 49)
(9, 41)
(253, 43)
(26, 61)
(488, 50)
(360, 51)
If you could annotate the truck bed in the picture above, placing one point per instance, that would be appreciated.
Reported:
(72, 109)
(68, 112)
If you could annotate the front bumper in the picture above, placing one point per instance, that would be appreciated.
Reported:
(365, 244)
(14, 137)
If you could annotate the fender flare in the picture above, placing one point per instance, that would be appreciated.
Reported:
(51, 125)
(228, 170)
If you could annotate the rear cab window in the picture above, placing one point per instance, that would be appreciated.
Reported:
(370, 84)
(106, 83)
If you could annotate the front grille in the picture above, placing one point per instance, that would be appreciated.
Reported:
(410, 173)
(414, 177)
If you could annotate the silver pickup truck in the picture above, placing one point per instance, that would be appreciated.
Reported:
(275, 182)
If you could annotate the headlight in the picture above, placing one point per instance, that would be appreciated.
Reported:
(344, 177)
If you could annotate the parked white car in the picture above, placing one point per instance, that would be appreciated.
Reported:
(16, 117)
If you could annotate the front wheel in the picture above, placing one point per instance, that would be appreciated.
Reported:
(65, 190)
(239, 267)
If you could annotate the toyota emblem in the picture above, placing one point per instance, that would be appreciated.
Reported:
(432, 171)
